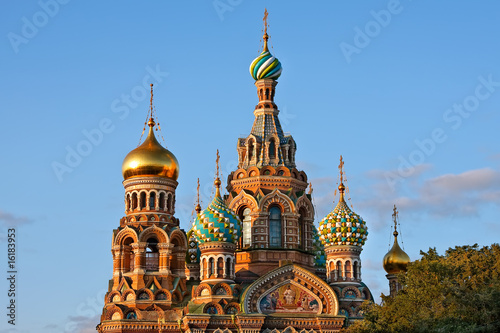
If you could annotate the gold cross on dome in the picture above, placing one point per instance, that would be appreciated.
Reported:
(341, 169)
(265, 20)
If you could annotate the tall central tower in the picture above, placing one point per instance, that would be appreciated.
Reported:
(267, 192)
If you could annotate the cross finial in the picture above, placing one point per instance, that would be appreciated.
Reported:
(198, 206)
(395, 219)
(265, 20)
(151, 121)
(341, 169)
(217, 181)
(266, 36)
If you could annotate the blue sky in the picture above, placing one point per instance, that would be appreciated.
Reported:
(408, 92)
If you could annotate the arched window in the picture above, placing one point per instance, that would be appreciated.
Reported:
(229, 271)
(162, 200)
(128, 202)
(355, 270)
(275, 227)
(348, 269)
(250, 150)
(339, 270)
(134, 201)
(128, 255)
(245, 218)
(142, 201)
(152, 255)
(211, 267)
(152, 200)
(272, 148)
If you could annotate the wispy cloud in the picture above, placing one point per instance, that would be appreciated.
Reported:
(449, 195)
(9, 220)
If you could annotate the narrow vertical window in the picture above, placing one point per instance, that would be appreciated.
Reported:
(275, 227)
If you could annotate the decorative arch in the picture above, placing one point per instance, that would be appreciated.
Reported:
(128, 295)
(199, 290)
(347, 290)
(137, 312)
(304, 202)
(233, 305)
(123, 234)
(240, 173)
(158, 295)
(253, 171)
(277, 198)
(160, 234)
(222, 285)
(267, 171)
(178, 238)
(302, 176)
(141, 297)
(111, 297)
(292, 275)
(114, 313)
(208, 308)
(283, 171)
(243, 199)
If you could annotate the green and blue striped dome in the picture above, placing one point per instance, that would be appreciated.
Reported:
(217, 223)
(342, 226)
(265, 66)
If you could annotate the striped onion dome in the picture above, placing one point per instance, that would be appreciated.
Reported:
(342, 226)
(265, 66)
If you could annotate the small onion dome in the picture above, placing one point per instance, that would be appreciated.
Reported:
(150, 159)
(265, 66)
(217, 223)
(396, 260)
(342, 226)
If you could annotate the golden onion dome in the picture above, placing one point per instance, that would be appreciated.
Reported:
(150, 159)
(396, 260)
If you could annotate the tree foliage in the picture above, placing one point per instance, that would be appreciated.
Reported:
(455, 292)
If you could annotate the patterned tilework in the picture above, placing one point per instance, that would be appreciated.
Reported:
(217, 223)
(265, 66)
(319, 250)
(342, 227)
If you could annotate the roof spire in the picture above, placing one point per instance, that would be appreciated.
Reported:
(341, 186)
(151, 121)
(395, 219)
(198, 206)
(217, 181)
(266, 25)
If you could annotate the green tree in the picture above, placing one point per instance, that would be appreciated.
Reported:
(455, 292)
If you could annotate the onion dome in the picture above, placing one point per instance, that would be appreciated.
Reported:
(342, 226)
(265, 66)
(150, 159)
(217, 223)
(396, 260)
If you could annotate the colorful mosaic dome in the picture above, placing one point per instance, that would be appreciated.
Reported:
(319, 250)
(265, 66)
(217, 223)
(342, 226)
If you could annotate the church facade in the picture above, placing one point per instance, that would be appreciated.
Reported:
(253, 260)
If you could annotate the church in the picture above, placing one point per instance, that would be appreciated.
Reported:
(253, 260)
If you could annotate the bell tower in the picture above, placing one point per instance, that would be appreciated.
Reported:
(148, 247)
(267, 192)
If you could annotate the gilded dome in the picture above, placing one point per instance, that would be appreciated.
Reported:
(342, 226)
(217, 223)
(265, 66)
(396, 260)
(150, 159)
